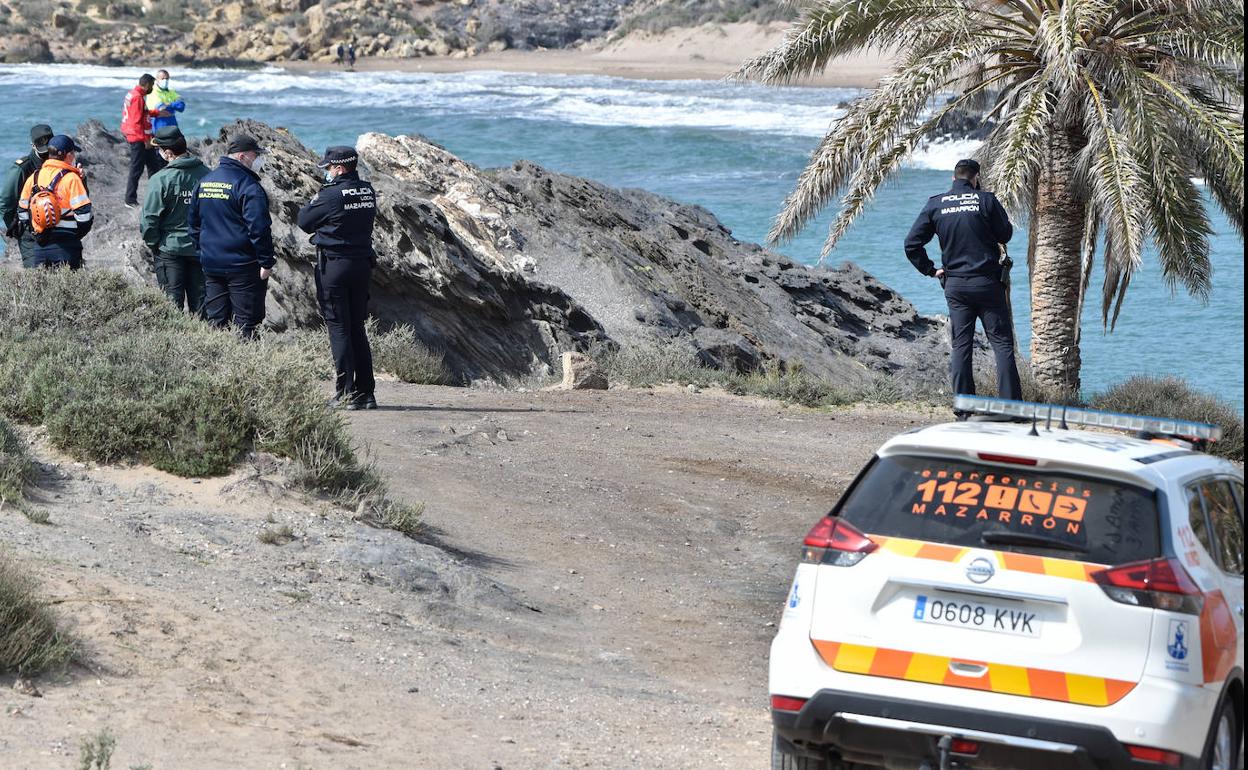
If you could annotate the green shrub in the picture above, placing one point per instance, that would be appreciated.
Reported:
(16, 470)
(401, 352)
(792, 384)
(30, 641)
(644, 366)
(1174, 398)
(96, 751)
(116, 373)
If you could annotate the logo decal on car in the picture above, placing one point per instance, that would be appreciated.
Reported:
(1176, 646)
(980, 570)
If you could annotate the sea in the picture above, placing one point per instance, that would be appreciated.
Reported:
(735, 149)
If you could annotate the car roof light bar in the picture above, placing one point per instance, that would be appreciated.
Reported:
(1074, 415)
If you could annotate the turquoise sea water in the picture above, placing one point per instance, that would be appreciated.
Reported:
(734, 149)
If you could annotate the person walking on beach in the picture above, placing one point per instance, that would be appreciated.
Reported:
(163, 222)
(230, 225)
(972, 228)
(340, 219)
(342, 55)
(56, 208)
(351, 56)
(164, 103)
(136, 127)
(11, 191)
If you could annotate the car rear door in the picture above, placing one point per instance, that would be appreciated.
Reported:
(937, 603)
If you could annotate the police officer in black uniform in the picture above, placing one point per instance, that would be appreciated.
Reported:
(340, 218)
(973, 229)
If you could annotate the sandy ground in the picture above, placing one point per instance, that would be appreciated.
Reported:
(710, 52)
(617, 562)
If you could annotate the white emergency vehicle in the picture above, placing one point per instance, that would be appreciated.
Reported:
(1021, 595)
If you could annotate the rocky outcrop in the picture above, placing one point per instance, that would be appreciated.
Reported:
(505, 270)
(529, 24)
(240, 31)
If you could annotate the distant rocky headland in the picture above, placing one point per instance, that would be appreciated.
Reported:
(504, 270)
(196, 31)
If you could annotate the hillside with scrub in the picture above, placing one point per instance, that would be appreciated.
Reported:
(129, 31)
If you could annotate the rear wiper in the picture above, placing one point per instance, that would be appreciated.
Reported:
(1026, 538)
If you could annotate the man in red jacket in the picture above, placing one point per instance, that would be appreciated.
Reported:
(136, 126)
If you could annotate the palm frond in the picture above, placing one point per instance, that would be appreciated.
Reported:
(1011, 148)
(830, 29)
(870, 123)
(1114, 179)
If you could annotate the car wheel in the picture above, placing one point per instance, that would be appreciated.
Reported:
(1222, 748)
(783, 760)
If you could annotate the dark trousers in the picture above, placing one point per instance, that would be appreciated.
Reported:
(182, 281)
(342, 291)
(57, 253)
(236, 299)
(142, 158)
(26, 245)
(981, 299)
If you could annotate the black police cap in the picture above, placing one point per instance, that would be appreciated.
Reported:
(243, 143)
(40, 134)
(168, 136)
(968, 167)
(339, 156)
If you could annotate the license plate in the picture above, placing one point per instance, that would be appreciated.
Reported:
(980, 616)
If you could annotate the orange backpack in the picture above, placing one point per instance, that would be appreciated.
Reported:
(45, 207)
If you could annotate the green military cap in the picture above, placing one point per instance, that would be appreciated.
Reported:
(168, 136)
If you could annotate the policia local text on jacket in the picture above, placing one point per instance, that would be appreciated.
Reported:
(163, 225)
(340, 218)
(61, 245)
(970, 223)
(229, 224)
(15, 177)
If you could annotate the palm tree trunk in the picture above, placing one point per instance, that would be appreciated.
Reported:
(1057, 226)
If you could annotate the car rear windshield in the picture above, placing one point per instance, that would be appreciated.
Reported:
(1025, 510)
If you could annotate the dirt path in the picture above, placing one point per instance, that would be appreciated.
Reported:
(618, 560)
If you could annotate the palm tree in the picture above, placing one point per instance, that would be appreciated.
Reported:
(1105, 111)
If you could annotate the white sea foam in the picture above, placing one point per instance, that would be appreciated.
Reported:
(590, 100)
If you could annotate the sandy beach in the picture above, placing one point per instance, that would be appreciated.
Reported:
(709, 52)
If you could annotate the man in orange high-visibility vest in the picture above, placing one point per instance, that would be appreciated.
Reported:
(60, 244)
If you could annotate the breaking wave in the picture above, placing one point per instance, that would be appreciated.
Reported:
(588, 100)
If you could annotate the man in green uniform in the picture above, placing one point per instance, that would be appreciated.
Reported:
(162, 222)
(15, 177)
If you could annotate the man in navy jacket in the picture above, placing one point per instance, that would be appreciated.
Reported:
(972, 226)
(230, 225)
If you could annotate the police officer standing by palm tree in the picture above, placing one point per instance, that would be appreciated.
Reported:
(972, 227)
(340, 219)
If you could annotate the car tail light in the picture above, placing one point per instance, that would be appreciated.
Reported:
(785, 703)
(964, 747)
(1161, 583)
(1157, 756)
(835, 542)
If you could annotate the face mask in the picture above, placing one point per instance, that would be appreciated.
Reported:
(257, 165)
(163, 85)
(329, 177)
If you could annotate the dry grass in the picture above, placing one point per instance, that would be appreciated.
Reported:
(30, 640)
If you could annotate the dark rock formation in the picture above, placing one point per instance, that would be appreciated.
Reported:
(504, 270)
(527, 24)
